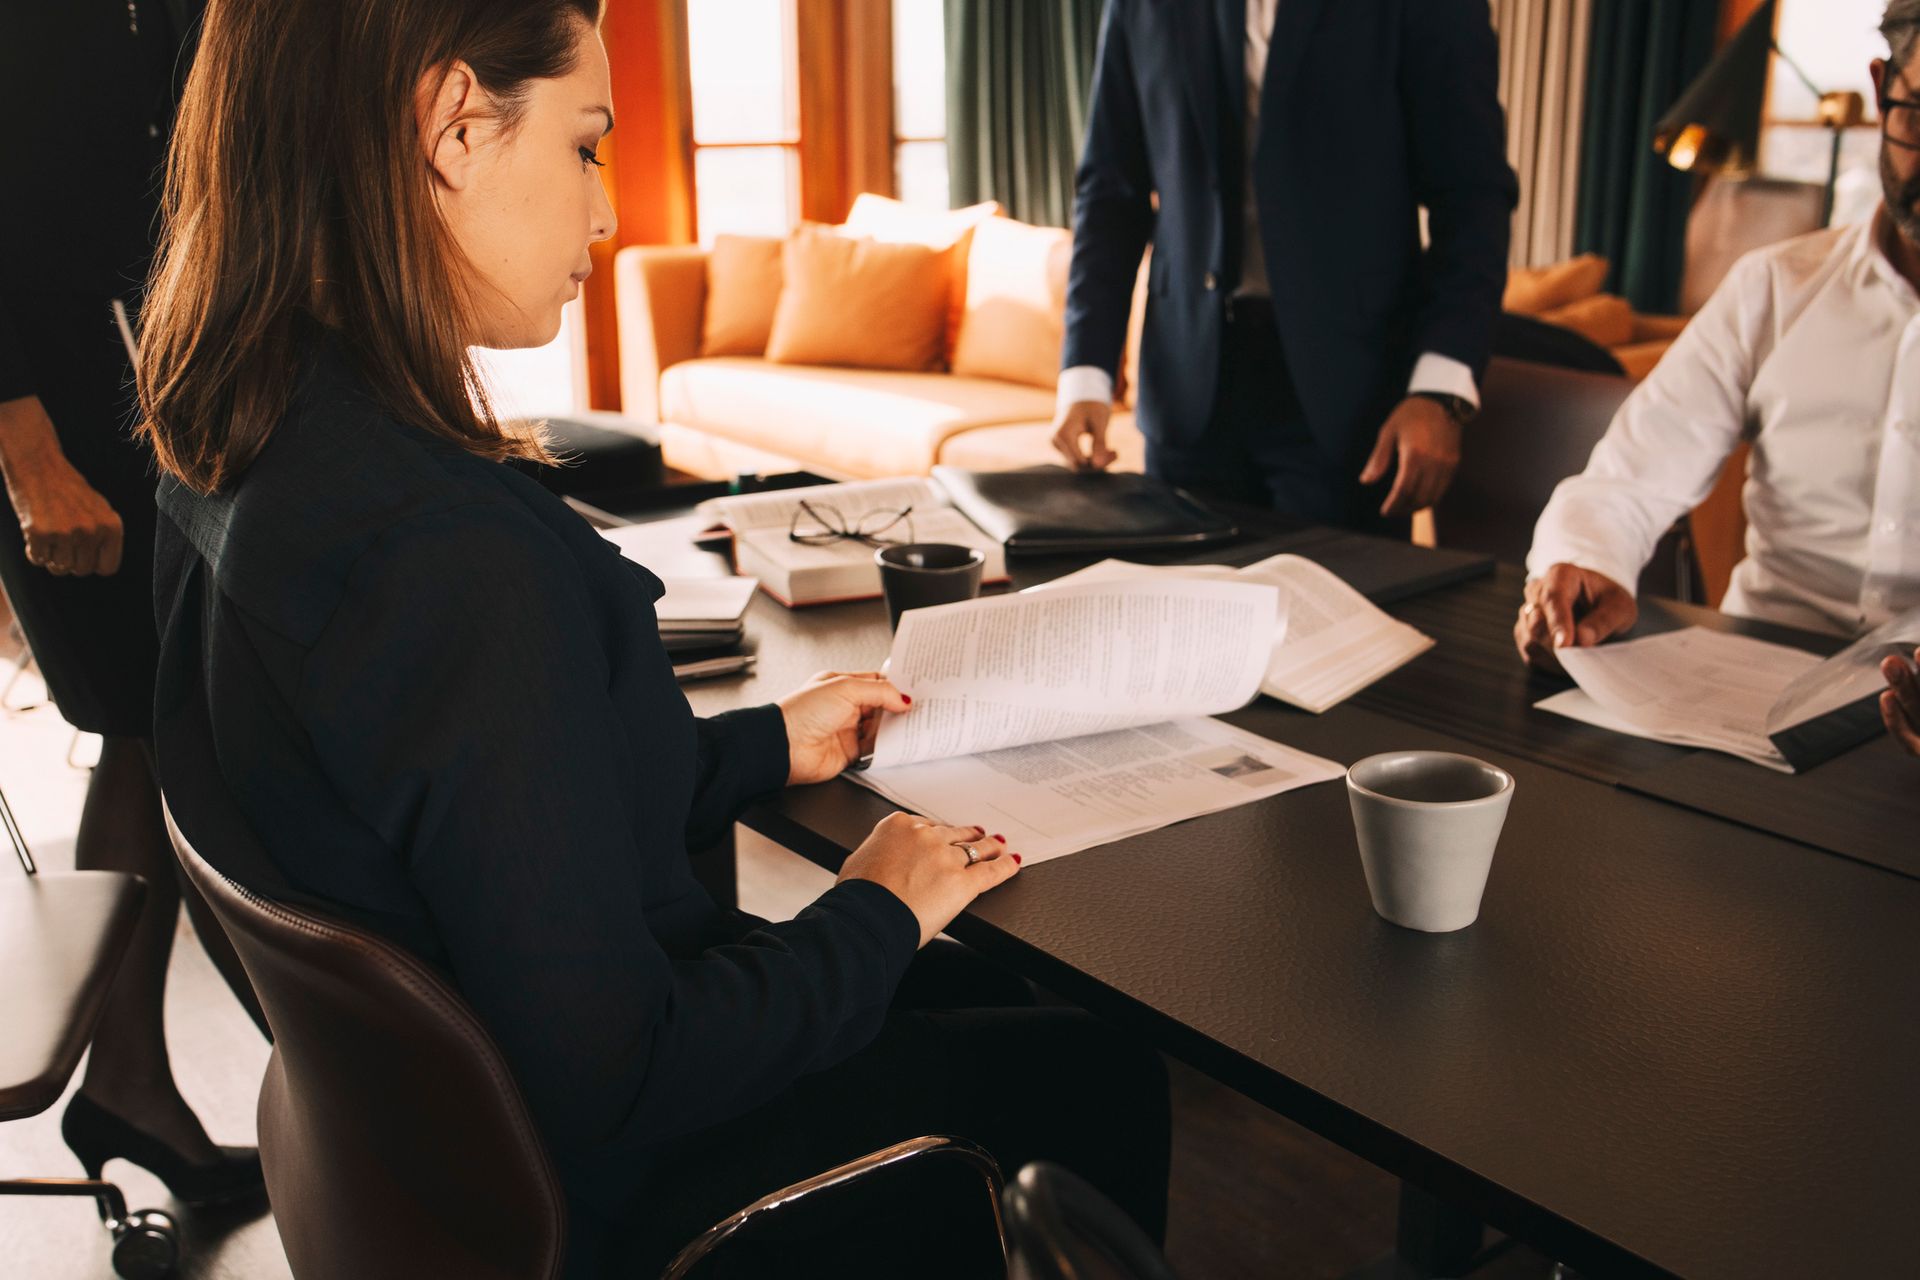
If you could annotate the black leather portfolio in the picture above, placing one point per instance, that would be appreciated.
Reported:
(1048, 510)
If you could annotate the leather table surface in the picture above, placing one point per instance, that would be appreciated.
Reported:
(1670, 1044)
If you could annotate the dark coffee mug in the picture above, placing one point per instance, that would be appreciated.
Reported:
(918, 574)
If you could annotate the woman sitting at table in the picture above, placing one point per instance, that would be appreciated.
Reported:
(439, 697)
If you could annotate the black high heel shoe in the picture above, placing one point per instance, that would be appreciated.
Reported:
(96, 1135)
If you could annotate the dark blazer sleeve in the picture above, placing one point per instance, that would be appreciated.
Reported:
(742, 754)
(1112, 207)
(1449, 77)
(459, 703)
(16, 374)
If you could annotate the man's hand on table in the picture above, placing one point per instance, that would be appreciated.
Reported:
(1900, 704)
(1569, 607)
(832, 720)
(1080, 434)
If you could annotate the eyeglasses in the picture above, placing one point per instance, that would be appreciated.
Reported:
(1900, 122)
(818, 524)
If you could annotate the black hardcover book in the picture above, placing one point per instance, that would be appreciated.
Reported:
(1048, 510)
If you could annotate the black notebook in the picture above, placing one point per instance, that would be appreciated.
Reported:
(1047, 510)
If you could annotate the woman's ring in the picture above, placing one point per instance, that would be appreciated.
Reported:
(973, 854)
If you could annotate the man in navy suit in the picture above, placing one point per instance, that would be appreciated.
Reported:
(1302, 349)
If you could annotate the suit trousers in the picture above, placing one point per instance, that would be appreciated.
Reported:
(1258, 449)
(965, 1051)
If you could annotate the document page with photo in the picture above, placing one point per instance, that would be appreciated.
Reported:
(1054, 798)
(1089, 658)
(1693, 688)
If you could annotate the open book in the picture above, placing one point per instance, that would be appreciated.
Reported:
(803, 573)
(1329, 641)
(1078, 715)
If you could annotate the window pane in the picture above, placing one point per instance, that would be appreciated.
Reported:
(920, 173)
(919, 70)
(1832, 41)
(537, 382)
(746, 190)
(742, 71)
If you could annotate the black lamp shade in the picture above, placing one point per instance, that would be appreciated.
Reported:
(1716, 123)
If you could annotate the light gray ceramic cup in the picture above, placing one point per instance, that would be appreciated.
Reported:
(1428, 822)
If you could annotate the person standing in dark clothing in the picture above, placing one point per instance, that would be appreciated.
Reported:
(88, 89)
(1310, 344)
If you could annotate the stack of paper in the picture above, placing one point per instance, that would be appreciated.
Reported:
(702, 620)
(1329, 641)
(1067, 718)
(1692, 688)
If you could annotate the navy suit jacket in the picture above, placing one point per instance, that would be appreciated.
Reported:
(1370, 109)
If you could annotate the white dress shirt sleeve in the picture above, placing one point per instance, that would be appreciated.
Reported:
(1445, 376)
(1666, 447)
(1083, 382)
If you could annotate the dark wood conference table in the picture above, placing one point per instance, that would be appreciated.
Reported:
(1673, 1043)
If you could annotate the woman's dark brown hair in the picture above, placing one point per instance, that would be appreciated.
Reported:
(298, 167)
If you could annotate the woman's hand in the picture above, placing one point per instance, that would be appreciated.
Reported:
(1900, 704)
(926, 867)
(832, 720)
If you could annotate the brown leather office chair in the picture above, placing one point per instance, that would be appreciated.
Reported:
(394, 1140)
(61, 940)
(1538, 426)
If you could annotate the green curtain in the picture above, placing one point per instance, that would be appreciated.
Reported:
(1019, 74)
(1633, 204)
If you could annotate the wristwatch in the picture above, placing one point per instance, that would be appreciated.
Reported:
(1459, 408)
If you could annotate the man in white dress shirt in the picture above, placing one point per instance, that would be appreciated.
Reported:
(1810, 352)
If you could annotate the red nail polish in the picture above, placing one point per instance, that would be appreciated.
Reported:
(1001, 839)
(906, 698)
(1016, 859)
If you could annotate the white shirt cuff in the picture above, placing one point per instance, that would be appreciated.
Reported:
(1083, 382)
(1445, 376)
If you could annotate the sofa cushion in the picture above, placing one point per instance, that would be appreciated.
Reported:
(859, 303)
(850, 422)
(950, 231)
(1533, 291)
(1027, 444)
(743, 288)
(1016, 303)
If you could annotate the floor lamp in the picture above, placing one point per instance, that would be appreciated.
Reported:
(1714, 128)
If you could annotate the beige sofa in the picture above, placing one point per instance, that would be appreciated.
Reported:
(728, 415)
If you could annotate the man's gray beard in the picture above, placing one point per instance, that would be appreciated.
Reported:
(1900, 198)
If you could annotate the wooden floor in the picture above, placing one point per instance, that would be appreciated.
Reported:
(1252, 1195)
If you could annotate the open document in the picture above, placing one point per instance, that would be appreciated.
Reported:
(1075, 716)
(1692, 688)
(1329, 641)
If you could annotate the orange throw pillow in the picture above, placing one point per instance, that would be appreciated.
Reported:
(859, 302)
(948, 230)
(743, 288)
(1534, 291)
(1603, 319)
(1016, 303)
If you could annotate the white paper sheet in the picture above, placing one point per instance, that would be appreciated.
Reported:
(1330, 641)
(1054, 798)
(1087, 658)
(1692, 688)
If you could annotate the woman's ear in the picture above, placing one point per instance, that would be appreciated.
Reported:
(447, 109)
